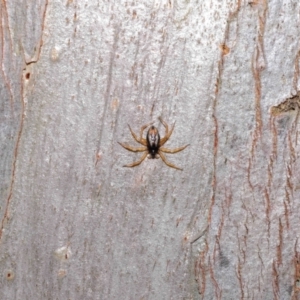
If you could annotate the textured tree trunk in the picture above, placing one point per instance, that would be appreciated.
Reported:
(75, 224)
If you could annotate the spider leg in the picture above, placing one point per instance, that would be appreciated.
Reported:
(141, 141)
(132, 149)
(166, 150)
(137, 162)
(168, 163)
(164, 123)
(168, 133)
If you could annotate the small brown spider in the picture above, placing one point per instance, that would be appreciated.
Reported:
(152, 145)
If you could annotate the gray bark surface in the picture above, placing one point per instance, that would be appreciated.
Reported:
(75, 224)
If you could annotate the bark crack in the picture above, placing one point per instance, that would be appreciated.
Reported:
(5, 217)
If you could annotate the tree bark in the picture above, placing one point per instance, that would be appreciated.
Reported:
(75, 224)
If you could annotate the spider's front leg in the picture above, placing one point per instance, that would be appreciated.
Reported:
(140, 140)
(168, 133)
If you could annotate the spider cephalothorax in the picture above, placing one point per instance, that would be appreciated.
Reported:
(152, 145)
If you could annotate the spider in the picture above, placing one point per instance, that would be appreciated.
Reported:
(152, 145)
